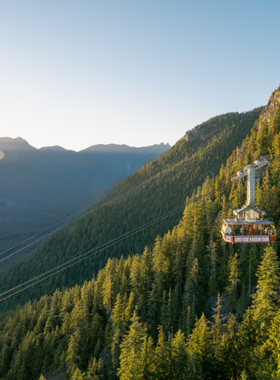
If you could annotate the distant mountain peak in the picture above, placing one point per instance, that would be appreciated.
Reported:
(17, 143)
(122, 148)
(16, 140)
(55, 147)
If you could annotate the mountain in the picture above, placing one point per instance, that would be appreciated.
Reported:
(190, 307)
(44, 176)
(121, 156)
(39, 187)
(156, 188)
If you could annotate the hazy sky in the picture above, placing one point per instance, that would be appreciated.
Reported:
(78, 73)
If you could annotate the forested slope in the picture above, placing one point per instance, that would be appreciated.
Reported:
(191, 307)
(159, 186)
(41, 187)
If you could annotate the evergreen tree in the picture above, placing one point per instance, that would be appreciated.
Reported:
(244, 375)
(131, 348)
(246, 341)
(148, 359)
(266, 299)
(271, 347)
(93, 332)
(163, 356)
(217, 327)
(182, 365)
(213, 257)
(78, 375)
(117, 330)
(95, 369)
(233, 283)
(72, 355)
(199, 343)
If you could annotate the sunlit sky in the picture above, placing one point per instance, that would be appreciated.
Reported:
(79, 73)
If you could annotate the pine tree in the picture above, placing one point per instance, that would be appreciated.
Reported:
(117, 330)
(233, 283)
(229, 358)
(72, 355)
(266, 300)
(95, 368)
(148, 359)
(244, 375)
(170, 311)
(179, 356)
(271, 346)
(212, 285)
(246, 341)
(243, 302)
(217, 327)
(78, 375)
(152, 311)
(163, 356)
(163, 313)
(131, 348)
(199, 343)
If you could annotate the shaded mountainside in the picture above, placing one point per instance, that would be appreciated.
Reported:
(144, 317)
(123, 156)
(39, 187)
(159, 186)
(47, 175)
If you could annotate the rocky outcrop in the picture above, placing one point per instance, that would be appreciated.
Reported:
(268, 112)
(197, 133)
(272, 105)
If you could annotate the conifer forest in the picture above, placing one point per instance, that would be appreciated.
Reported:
(174, 301)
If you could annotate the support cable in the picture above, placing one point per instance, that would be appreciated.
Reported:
(100, 248)
(84, 208)
(70, 216)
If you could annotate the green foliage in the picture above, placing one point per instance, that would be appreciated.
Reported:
(146, 316)
(131, 360)
(266, 299)
(233, 283)
(158, 187)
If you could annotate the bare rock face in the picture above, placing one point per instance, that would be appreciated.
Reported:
(199, 132)
(195, 134)
(272, 105)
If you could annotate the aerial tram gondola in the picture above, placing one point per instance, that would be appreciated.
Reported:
(249, 225)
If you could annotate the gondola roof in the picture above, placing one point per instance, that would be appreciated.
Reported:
(248, 222)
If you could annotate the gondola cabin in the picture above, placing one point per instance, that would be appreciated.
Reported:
(249, 225)
(248, 231)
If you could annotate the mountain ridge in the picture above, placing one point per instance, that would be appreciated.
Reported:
(104, 147)
(56, 179)
(144, 315)
(156, 188)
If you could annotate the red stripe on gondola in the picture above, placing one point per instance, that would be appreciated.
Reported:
(249, 239)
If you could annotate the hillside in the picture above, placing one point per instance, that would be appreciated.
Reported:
(159, 186)
(190, 307)
(39, 187)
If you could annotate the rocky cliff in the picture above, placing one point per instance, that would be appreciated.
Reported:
(272, 105)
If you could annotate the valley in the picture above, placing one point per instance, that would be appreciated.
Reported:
(50, 186)
(187, 305)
